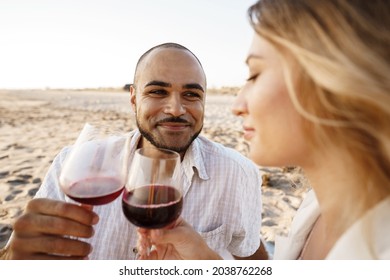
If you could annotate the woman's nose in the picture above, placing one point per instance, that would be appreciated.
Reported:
(239, 106)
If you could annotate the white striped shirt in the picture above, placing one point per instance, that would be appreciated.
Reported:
(222, 201)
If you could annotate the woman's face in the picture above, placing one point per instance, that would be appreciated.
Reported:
(272, 126)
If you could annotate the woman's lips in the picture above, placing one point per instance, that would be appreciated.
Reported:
(248, 133)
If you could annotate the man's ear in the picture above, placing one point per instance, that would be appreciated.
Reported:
(132, 98)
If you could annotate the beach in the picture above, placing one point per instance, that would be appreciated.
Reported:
(36, 124)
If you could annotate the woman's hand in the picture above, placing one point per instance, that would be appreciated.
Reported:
(175, 242)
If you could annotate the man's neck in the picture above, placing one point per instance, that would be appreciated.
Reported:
(144, 143)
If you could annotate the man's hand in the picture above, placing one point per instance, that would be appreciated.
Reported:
(48, 230)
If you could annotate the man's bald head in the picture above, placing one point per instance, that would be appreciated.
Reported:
(161, 46)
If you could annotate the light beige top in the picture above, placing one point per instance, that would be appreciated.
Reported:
(368, 238)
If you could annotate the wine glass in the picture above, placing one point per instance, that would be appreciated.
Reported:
(95, 170)
(153, 193)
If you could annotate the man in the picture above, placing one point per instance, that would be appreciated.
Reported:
(220, 186)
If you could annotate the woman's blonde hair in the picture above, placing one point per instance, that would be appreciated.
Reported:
(341, 52)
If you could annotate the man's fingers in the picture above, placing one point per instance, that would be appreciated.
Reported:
(87, 206)
(29, 223)
(63, 209)
(52, 245)
(52, 257)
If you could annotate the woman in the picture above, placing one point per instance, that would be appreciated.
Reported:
(317, 96)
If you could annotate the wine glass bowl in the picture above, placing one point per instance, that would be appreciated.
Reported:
(94, 171)
(153, 195)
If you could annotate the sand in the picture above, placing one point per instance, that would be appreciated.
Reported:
(36, 124)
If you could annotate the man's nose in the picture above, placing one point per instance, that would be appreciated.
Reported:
(175, 106)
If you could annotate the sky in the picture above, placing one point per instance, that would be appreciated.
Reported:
(97, 43)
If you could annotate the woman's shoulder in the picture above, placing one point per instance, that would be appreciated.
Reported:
(367, 238)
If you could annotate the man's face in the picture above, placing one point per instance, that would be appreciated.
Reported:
(168, 98)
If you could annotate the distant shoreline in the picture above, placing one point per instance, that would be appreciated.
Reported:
(224, 90)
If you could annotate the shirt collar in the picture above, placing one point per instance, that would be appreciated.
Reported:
(135, 136)
(194, 159)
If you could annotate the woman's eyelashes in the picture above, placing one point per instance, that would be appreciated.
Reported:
(252, 77)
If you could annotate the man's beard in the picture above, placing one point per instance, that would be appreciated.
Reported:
(159, 144)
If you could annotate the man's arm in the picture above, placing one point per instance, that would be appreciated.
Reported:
(3, 253)
(260, 254)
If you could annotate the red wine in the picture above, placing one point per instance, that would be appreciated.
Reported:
(153, 206)
(95, 191)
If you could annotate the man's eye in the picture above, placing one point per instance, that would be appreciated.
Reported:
(191, 94)
(158, 92)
